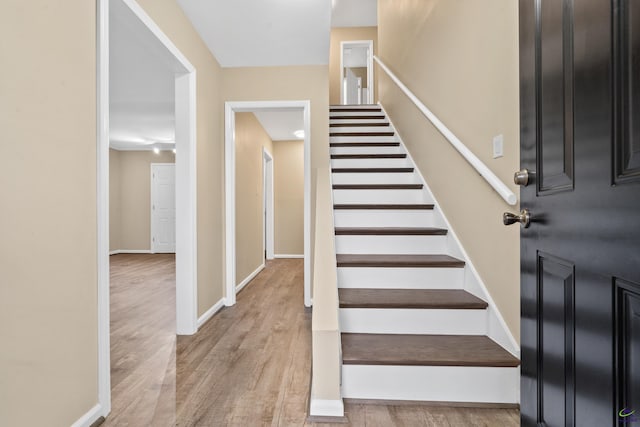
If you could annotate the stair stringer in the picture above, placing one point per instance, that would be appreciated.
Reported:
(496, 326)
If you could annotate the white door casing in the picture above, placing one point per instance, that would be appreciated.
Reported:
(268, 205)
(369, 95)
(163, 208)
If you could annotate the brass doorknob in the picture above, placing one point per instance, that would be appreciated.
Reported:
(521, 177)
(524, 218)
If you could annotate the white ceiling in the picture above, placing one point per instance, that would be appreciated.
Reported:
(141, 85)
(248, 33)
(281, 124)
(354, 13)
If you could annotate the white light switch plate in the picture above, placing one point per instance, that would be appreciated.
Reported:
(498, 146)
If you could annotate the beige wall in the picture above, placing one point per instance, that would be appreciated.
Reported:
(133, 198)
(48, 277)
(289, 83)
(461, 60)
(210, 148)
(114, 200)
(48, 292)
(251, 138)
(347, 34)
(288, 177)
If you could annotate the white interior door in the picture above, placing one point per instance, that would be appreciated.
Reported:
(163, 207)
(352, 87)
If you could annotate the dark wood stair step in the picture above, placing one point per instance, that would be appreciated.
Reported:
(370, 156)
(424, 350)
(378, 186)
(369, 206)
(364, 144)
(390, 231)
(355, 110)
(348, 125)
(371, 117)
(398, 261)
(409, 298)
(361, 133)
(371, 170)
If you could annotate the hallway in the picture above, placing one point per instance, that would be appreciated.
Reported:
(249, 365)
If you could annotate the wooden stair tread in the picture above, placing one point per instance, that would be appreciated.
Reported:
(369, 156)
(364, 144)
(361, 133)
(399, 260)
(409, 298)
(348, 125)
(371, 117)
(424, 350)
(378, 186)
(372, 170)
(367, 206)
(390, 231)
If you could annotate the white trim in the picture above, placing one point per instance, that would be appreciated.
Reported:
(503, 336)
(268, 186)
(288, 256)
(209, 313)
(491, 178)
(249, 278)
(326, 408)
(130, 251)
(90, 417)
(230, 197)
(370, 69)
(186, 243)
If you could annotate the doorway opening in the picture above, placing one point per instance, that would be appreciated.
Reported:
(356, 71)
(232, 109)
(116, 18)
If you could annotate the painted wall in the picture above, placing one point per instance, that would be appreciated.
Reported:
(347, 34)
(48, 276)
(132, 173)
(288, 177)
(461, 60)
(288, 83)
(251, 138)
(210, 148)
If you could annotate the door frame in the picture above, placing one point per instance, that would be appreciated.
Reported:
(230, 108)
(152, 199)
(267, 204)
(186, 242)
(370, 70)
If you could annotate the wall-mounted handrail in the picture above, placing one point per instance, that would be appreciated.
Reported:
(491, 178)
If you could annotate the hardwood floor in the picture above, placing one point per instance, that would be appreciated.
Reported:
(248, 366)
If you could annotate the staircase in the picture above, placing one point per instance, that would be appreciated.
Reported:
(414, 319)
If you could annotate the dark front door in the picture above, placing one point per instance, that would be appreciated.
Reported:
(580, 140)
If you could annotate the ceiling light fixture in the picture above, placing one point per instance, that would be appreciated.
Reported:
(299, 133)
(156, 150)
(174, 151)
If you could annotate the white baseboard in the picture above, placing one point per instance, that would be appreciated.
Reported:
(288, 256)
(90, 417)
(249, 278)
(130, 251)
(209, 313)
(326, 408)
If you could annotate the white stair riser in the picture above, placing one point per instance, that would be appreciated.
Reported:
(350, 138)
(357, 129)
(413, 321)
(375, 178)
(366, 150)
(359, 121)
(385, 218)
(400, 278)
(391, 244)
(380, 196)
(370, 163)
(431, 383)
(344, 109)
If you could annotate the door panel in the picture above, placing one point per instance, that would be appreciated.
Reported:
(163, 229)
(580, 138)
